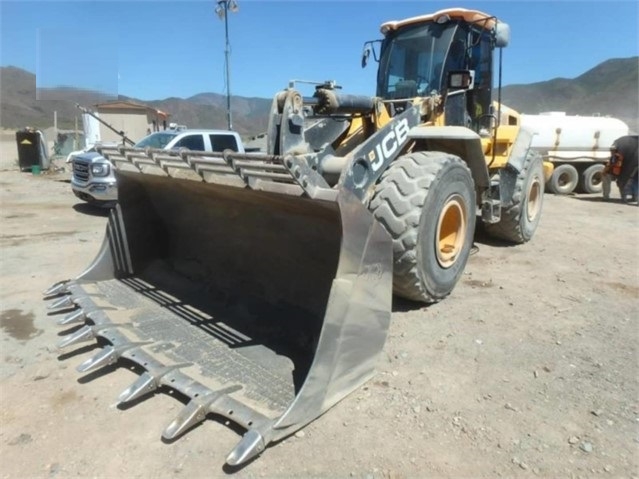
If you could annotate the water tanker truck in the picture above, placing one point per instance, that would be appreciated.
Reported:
(578, 146)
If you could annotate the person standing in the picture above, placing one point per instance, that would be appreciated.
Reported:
(623, 167)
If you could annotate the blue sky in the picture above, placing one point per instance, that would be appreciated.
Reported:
(151, 49)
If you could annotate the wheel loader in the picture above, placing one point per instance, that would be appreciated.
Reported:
(257, 287)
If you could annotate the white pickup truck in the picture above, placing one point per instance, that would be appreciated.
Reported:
(94, 182)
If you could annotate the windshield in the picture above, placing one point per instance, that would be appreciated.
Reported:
(413, 60)
(156, 140)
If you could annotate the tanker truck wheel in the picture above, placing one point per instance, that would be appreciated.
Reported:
(426, 202)
(519, 221)
(563, 180)
(591, 179)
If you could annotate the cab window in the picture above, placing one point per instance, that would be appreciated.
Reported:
(223, 142)
(412, 60)
(192, 142)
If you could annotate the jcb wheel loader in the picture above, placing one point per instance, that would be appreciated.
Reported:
(259, 285)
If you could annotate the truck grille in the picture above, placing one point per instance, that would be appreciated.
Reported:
(81, 170)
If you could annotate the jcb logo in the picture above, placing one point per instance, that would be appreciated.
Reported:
(389, 144)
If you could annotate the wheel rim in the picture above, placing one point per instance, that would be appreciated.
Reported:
(596, 179)
(451, 231)
(564, 179)
(534, 199)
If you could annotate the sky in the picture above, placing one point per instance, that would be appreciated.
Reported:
(154, 49)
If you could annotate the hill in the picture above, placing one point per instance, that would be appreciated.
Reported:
(208, 110)
(19, 106)
(610, 88)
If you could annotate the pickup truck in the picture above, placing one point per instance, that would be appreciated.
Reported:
(93, 180)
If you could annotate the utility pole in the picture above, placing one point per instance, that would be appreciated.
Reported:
(222, 9)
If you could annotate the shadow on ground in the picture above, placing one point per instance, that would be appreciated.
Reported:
(600, 199)
(87, 209)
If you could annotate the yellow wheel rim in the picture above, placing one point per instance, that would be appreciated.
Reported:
(534, 199)
(451, 231)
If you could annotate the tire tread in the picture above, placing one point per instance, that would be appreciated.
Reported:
(397, 205)
(509, 228)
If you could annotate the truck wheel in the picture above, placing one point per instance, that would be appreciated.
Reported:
(591, 179)
(563, 180)
(426, 202)
(519, 221)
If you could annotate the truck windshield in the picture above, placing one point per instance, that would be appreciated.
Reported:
(156, 140)
(413, 59)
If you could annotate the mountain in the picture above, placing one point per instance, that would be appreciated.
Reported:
(19, 106)
(208, 110)
(610, 88)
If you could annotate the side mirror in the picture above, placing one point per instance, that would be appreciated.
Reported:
(369, 47)
(461, 80)
(365, 54)
(502, 35)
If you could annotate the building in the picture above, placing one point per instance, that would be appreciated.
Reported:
(133, 119)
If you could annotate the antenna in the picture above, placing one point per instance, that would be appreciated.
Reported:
(222, 9)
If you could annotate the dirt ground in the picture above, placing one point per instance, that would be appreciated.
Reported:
(528, 369)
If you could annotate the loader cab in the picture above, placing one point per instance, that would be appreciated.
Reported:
(418, 57)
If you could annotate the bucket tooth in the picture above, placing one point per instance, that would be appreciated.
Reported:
(104, 357)
(56, 288)
(251, 444)
(192, 414)
(142, 385)
(85, 333)
(147, 382)
(62, 303)
(73, 317)
(109, 355)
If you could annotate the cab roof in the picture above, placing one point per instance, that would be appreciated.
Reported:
(181, 131)
(471, 16)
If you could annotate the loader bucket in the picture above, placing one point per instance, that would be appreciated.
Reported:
(260, 307)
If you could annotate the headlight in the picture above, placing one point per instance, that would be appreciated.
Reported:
(100, 169)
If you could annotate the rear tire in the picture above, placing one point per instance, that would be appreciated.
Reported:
(591, 179)
(426, 202)
(519, 221)
(563, 180)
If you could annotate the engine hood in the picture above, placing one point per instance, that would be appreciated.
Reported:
(90, 156)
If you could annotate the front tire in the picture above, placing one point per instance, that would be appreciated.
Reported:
(519, 221)
(426, 202)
